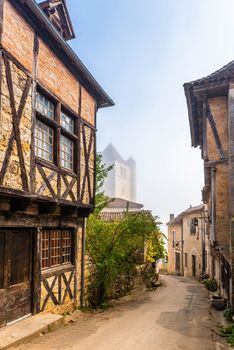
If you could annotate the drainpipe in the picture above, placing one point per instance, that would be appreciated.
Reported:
(82, 293)
(182, 250)
(203, 237)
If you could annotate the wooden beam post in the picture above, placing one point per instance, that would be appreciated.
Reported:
(36, 270)
(231, 188)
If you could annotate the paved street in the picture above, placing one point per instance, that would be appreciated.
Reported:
(175, 316)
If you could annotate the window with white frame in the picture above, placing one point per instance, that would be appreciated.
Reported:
(67, 122)
(56, 133)
(44, 141)
(44, 106)
(66, 152)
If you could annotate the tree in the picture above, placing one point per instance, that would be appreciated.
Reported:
(111, 245)
(101, 173)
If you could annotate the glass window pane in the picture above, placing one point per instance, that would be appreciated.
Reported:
(55, 247)
(44, 137)
(44, 106)
(45, 249)
(66, 152)
(67, 122)
(66, 247)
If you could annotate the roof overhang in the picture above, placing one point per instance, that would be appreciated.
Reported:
(42, 25)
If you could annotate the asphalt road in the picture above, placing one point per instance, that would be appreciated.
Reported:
(175, 316)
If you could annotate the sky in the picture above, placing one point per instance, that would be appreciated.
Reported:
(142, 52)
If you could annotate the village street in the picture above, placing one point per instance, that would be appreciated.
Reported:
(175, 316)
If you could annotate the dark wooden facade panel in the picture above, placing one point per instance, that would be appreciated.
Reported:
(16, 269)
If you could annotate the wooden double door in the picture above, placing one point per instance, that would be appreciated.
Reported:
(15, 274)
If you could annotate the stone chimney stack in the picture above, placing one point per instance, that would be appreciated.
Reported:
(172, 216)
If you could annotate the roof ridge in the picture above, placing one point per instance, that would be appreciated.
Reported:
(214, 75)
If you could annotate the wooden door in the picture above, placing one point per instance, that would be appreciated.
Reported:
(194, 265)
(177, 262)
(15, 274)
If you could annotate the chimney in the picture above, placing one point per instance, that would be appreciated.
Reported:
(172, 216)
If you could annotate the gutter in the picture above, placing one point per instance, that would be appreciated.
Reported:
(106, 101)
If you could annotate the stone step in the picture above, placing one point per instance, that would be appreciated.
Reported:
(24, 330)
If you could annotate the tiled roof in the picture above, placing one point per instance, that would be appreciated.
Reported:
(178, 219)
(226, 72)
(123, 204)
(118, 216)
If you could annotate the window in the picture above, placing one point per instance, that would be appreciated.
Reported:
(185, 259)
(67, 122)
(44, 106)
(55, 137)
(66, 152)
(44, 140)
(173, 238)
(56, 248)
(193, 225)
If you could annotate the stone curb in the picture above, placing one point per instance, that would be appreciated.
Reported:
(23, 331)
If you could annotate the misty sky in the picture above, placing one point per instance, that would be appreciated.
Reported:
(142, 52)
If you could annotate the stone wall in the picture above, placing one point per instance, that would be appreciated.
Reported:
(193, 243)
(172, 247)
(12, 178)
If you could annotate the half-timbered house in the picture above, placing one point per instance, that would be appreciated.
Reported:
(210, 103)
(48, 106)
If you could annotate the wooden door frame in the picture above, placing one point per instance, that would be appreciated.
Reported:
(35, 263)
(36, 270)
(178, 260)
(194, 265)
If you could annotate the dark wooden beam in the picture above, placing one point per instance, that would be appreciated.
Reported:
(19, 204)
(1, 20)
(16, 119)
(34, 91)
(46, 180)
(215, 133)
(69, 187)
(204, 128)
(44, 185)
(47, 208)
(69, 211)
(36, 270)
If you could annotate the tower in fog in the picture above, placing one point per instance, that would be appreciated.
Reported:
(121, 180)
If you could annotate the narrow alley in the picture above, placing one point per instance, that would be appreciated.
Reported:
(175, 316)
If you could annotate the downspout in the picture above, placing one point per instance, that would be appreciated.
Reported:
(82, 293)
(182, 249)
(203, 236)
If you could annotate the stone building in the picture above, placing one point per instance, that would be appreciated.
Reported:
(48, 106)
(210, 102)
(188, 246)
(121, 180)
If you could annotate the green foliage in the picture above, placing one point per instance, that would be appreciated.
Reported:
(155, 247)
(228, 315)
(111, 246)
(228, 333)
(101, 173)
(211, 284)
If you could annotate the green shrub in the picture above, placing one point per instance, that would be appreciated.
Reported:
(228, 333)
(228, 315)
(211, 285)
